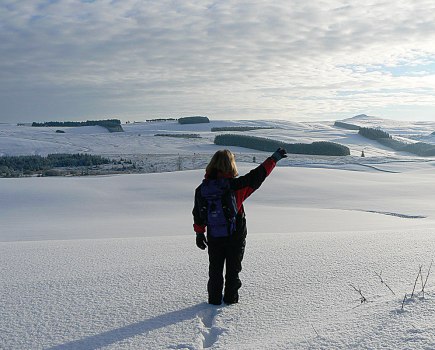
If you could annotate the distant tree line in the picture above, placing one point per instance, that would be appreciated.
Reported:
(26, 165)
(193, 120)
(421, 149)
(269, 145)
(374, 134)
(161, 120)
(239, 128)
(392, 143)
(185, 136)
(346, 126)
(113, 125)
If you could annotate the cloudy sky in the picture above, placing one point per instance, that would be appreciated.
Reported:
(227, 59)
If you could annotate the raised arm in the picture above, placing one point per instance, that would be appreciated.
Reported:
(247, 184)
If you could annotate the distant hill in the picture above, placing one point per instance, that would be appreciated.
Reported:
(361, 116)
(364, 119)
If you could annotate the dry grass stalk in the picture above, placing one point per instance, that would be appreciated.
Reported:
(384, 283)
(363, 299)
(403, 302)
(415, 283)
(427, 276)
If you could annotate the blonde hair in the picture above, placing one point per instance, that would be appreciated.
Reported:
(223, 161)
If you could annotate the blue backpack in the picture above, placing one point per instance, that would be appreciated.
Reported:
(220, 208)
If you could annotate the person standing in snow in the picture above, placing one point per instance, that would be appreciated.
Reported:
(219, 209)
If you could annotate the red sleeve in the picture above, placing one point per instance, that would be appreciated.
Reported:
(199, 228)
(249, 183)
(269, 165)
(198, 223)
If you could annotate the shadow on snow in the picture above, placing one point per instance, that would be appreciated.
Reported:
(115, 335)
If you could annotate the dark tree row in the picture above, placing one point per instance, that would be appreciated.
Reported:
(161, 120)
(19, 165)
(269, 145)
(193, 120)
(421, 149)
(113, 125)
(239, 128)
(374, 134)
(184, 136)
(346, 126)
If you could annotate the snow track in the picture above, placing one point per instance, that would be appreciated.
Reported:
(388, 213)
(207, 323)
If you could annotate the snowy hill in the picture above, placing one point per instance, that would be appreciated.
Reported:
(110, 261)
(139, 138)
(414, 130)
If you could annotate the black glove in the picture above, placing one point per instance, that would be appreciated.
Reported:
(201, 242)
(279, 154)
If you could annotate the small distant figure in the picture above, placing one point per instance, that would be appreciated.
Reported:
(362, 154)
(254, 160)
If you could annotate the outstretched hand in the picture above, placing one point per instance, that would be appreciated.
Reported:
(201, 241)
(279, 154)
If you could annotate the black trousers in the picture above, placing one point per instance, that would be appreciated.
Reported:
(228, 252)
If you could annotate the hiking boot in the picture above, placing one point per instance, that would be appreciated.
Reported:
(215, 301)
(233, 300)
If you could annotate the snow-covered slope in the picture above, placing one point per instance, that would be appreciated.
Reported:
(110, 262)
(150, 293)
(140, 205)
(417, 130)
(139, 138)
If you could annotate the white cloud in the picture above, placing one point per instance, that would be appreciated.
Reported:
(223, 58)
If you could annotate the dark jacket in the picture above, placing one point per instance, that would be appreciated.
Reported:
(242, 186)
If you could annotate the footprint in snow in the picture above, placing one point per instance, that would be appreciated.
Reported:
(210, 332)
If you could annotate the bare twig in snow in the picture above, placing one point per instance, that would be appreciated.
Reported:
(421, 279)
(383, 282)
(362, 298)
(415, 283)
(315, 330)
(403, 302)
(427, 276)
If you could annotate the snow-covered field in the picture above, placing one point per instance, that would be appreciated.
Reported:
(110, 262)
(139, 138)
